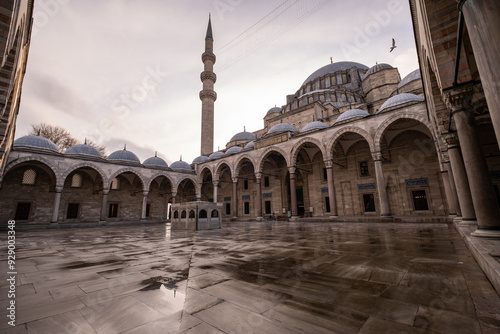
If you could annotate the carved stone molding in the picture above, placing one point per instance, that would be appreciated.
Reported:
(208, 93)
(208, 75)
(208, 56)
(460, 98)
(451, 140)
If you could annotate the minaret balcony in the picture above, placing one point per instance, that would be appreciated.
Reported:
(208, 94)
(208, 56)
(208, 75)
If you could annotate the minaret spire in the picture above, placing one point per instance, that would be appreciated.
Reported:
(208, 95)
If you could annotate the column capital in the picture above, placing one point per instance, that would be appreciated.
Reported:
(235, 179)
(292, 169)
(377, 156)
(174, 193)
(451, 140)
(145, 193)
(59, 189)
(460, 98)
(328, 163)
(215, 183)
(258, 175)
(105, 191)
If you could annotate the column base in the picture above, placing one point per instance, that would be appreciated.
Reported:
(294, 218)
(259, 219)
(102, 222)
(467, 221)
(333, 217)
(486, 233)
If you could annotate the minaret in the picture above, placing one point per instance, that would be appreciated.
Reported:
(208, 95)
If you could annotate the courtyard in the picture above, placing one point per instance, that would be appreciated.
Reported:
(249, 277)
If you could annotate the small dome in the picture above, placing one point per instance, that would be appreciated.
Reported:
(215, 155)
(181, 166)
(316, 125)
(243, 136)
(400, 99)
(250, 144)
(155, 162)
(377, 68)
(274, 110)
(83, 149)
(124, 156)
(36, 142)
(282, 127)
(233, 150)
(409, 78)
(334, 67)
(351, 114)
(199, 160)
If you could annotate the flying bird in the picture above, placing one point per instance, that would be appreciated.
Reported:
(393, 45)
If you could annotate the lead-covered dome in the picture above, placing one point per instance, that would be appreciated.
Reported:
(233, 150)
(155, 162)
(124, 156)
(250, 145)
(351, 114)
(181, 166)
(215, 155)
(378, 67)
(273, 110)
(316, 125)
(334, 67)
(35, 142)
(243, 136)
(83, 150)
(282, 127)
(400, 99)
(412, 76)
(199, 160)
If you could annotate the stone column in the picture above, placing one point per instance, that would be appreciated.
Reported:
(235, 197)
(216, 185)
(461, 181)
(57, 201)
(483, 27)
(174, 197)
(481, 187)
(447, 189)
(258, 199)
(293, 191)
(104, 207)
(382, 191)
(453, 189)
(144, 205)
(331, 189)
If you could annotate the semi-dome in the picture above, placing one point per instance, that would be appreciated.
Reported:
(316, 125)
(351, 114)
(241, 136)
(155, 162)
(124, 156)
(233, 150)
(377, 68)
(215, 155)
(36, 142)
(412, 76)
(274, 110)
(199, 160)
(181, 166)
(250, 144)
(400, 99)
(334, 67)
(282, 127)
(84, 150)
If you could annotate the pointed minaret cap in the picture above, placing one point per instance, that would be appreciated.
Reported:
(209, 29)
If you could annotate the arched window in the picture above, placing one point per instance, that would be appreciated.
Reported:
(176, 214)
(76, 181)
(191, 214)
(215, 213)
(29, 176)
(115, 184)
(183, 214)
(203, 214)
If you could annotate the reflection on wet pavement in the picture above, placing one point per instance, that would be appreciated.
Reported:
(251, 277)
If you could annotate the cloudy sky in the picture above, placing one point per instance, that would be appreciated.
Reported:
(128, 72)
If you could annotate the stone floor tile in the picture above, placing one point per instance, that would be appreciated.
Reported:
(202, 328)
(439, 319)
(233, 319)
(188, 321)
(69, 322)
(197, 301)
(31, 312)
(375, 325)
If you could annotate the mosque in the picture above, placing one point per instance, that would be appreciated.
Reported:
(353, 142)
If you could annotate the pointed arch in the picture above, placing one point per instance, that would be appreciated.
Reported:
(127, 170)
(353, 129)
(154, 176)
(239, 162)
(260, 161)
(297, 147)
(58, 180)
(88, 164)
(218, 168)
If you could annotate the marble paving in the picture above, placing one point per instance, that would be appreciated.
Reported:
(249, 277)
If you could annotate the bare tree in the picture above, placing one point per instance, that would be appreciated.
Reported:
(61, 137)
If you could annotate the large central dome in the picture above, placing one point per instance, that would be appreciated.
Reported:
(334, 67)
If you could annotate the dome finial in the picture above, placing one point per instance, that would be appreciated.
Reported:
(156, 154)
(244, 128)
(124, 147)
(85, 142)
(376, 62)
(181, 158)
(331, 60)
